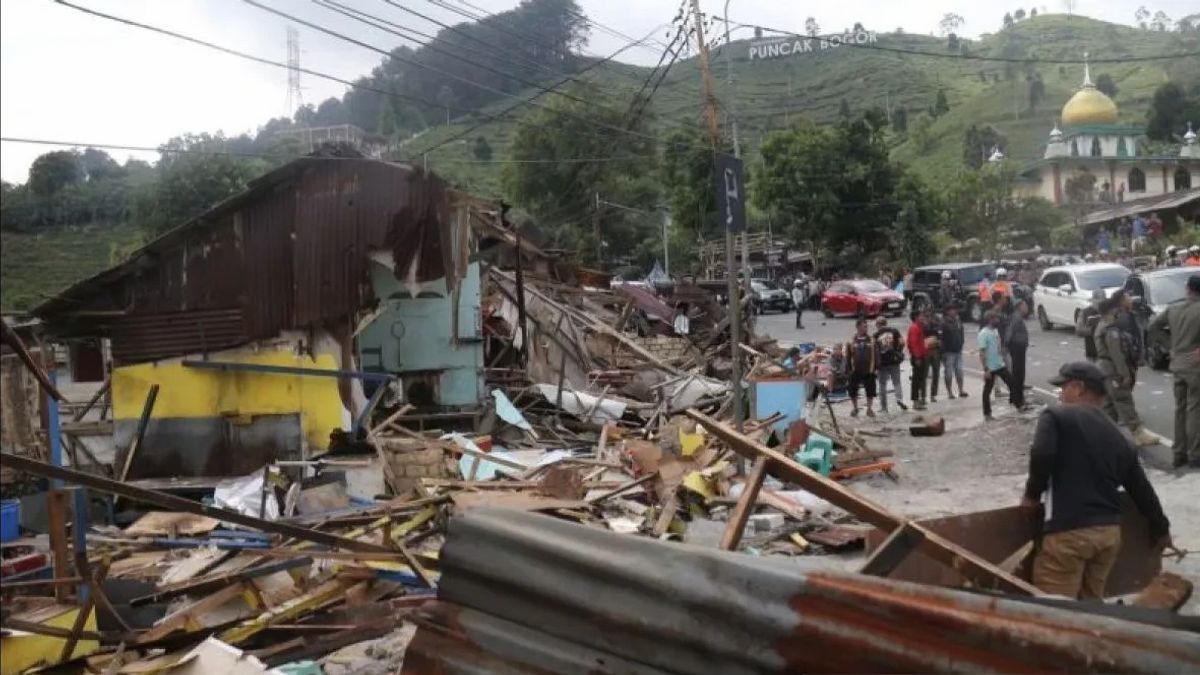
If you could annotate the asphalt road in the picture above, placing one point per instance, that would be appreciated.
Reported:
(1047, 351)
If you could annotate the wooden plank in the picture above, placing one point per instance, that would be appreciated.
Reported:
(745, 505)
(13, 340)
(85, 610)
(1168, 591)
(667, 515)
(902, 541)
(624, 487)
(143, 423)
(56, 515)
(783, 467)
(172, 502)
(104, 388)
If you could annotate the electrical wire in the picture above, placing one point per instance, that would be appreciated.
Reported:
(269, 62)
(530, 101)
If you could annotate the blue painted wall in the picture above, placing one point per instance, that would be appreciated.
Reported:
(414, 335)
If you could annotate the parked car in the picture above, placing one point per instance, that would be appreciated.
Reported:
(861, 297)
(766, 295)
(1153, 291)
(928, 279)
(1062, 293)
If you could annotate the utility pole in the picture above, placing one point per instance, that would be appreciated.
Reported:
(735, 305)
(737, 148)
(295, 98)
(667, 242)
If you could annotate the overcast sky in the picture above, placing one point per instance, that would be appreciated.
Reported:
(69, 76)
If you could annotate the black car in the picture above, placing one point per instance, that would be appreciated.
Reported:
(1152, 292)
(927, 282)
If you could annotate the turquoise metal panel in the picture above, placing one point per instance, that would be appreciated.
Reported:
(786, 396)
(415, 335)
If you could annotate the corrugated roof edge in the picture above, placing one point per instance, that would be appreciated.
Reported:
(80, 289)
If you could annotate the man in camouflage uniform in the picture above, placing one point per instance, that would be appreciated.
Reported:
(1117, 356)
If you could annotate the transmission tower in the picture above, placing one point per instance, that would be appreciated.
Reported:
(295, 98)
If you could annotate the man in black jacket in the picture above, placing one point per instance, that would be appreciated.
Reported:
(952, 350)
(1078, 460)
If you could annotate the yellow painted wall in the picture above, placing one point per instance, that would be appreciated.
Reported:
(195, 392)
(21, 652)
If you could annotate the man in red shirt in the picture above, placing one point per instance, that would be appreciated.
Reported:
(920, 354)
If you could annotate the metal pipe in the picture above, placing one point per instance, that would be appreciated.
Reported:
(288, 370)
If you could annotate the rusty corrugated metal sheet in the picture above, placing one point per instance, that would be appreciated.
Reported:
(289, 252)
(149, 337)
(536, 594)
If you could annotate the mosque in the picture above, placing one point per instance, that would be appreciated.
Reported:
(1093, 141)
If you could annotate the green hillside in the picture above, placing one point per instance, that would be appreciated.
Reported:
(35, 266)
(769, 92)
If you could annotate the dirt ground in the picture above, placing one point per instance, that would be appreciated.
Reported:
(977, 466)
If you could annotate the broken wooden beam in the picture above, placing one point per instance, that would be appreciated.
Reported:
(902, 541)
(944, 551)
(745, 505)
(173, 503)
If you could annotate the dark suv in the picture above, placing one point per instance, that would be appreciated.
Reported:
(928, 280)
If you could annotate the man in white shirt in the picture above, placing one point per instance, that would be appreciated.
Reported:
(799, 298)
(682, 324)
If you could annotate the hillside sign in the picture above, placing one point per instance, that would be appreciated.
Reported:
(775, 48)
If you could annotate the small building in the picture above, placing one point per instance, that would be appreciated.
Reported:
(262, 319)
(1095, 145)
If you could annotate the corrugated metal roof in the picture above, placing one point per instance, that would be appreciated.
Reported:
(1168, 201)
(289, 252)
(528, 593)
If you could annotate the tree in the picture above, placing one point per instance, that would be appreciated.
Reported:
(982, 206)
(686, 174)
(835, 185)
(194, 173)
(952, 42)
(978, 143)
(97, 165)
(1160, 22)
(910, 237)
(481, 149)
(1008, 20)
(810, 26)
(858, 27)
(53, 171)
(446, 98)
(1019, 14)
(1037, 91)
(922, 133)
(940, 105)
(563, 195)
(1170, 110)
(1032, 12)
(950, 23)
(844, 109)
(900, 120)
(1106, 84)
(1141, 15)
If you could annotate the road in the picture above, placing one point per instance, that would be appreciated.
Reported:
(1047, 351)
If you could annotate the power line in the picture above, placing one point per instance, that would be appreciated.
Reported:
(530, 101)
(964, 57)
(266, 61)
(260, 155)
(611, 31)
(367, 18)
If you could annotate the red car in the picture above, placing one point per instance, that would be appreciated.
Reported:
(861, 297)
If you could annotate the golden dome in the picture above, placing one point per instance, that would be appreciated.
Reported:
(1089, 106)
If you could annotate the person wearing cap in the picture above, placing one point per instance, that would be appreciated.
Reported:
(1117, 355)
(1182, 319)
(952, 347)
(991, 360)
(1078, 461)
(889, 351)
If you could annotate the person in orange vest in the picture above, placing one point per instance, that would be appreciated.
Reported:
(1193, 259)
(1002, 287)
(985, 294)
